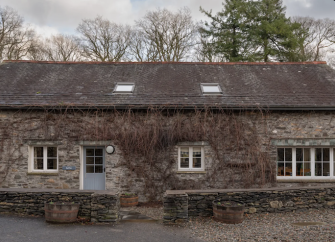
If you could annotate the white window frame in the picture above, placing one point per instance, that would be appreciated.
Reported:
(45, 159)
(202, 85)
(312, 163)
(191, 159)
(124, 84)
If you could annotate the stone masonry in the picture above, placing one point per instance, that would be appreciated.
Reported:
(275, 200)
(97, 206)
(20, 130)
(175, 208)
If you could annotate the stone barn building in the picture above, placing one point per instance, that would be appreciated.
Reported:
(149, 127)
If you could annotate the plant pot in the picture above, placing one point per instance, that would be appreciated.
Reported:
(128, 200)
(61, 212)
(229, 212)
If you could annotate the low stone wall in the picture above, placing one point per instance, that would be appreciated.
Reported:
(97, 206)
(175, 208)
(105, 206)
(274, 200)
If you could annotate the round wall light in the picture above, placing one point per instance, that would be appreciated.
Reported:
(110, 149)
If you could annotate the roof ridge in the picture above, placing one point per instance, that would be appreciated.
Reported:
(169, 62)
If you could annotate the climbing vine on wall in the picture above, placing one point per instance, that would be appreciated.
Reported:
(147, 139)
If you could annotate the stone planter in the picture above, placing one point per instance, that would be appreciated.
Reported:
(61, 212)
(229, 212)
(128, 200)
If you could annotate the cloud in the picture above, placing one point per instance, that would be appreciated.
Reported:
(43, 30)
(312, 8)
(143, 6)
(65, 15)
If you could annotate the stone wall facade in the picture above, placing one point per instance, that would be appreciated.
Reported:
(179, 206)
(96, 206)
(20, 130)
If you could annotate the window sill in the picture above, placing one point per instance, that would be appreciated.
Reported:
(42, 173)
(192, 172)
(332, 180)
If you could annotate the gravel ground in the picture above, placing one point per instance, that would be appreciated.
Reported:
(260, 227)
(152, 212)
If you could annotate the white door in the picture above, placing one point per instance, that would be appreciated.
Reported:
(94, 168)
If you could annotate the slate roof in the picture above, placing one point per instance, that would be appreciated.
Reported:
(308, 85)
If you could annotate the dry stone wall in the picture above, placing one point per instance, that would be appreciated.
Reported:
(96, 206)
(181, 205)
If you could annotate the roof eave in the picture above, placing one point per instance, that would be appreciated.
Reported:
(169, 106)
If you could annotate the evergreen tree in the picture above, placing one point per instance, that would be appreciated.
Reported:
(247, 30)
(228, 32)
(272, 32)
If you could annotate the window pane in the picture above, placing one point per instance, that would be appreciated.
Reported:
(98, 160)
(98, 152)
(38, 164)
(89, 160)
(89, 152)
(211, 88)
(98, 169)
(280, 154)
(318, 154)
(288, 169)
(288, 154)
(124, 87)
(307, 169)
(196, 157)
(52, 164)
(184, 152)
(184, 162)
(52, 151)
(326, 169)
(299, 154)
(307, 154)
(89, 169)
(318, 168)
(280, 169)
(38, 152)
(196, 152)
(326, 154)
(196, 162)
(299, 169)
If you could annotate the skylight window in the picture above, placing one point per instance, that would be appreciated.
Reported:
(210, 88)
(124, 87)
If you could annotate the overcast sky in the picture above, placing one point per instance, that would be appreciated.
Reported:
(63, 16)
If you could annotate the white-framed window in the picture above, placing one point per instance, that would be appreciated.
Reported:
(191, 158)
(305, 163)
(211, 88)
(43, 159)
(124, 87)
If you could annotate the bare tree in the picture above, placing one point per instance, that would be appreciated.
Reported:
(15, 38)
(20, 44)
(57, 48)
(331, 58)
(36, 50)
(102, 40)
(204, 51)
(316, 37)
(171, 35)
(142, 49)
